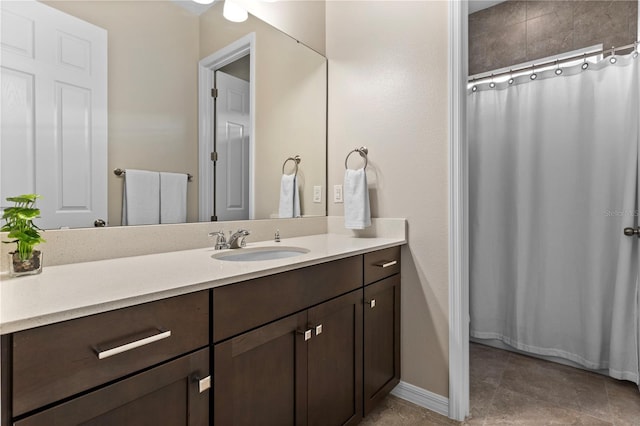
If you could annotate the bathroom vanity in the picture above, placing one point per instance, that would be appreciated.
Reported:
(313, 339)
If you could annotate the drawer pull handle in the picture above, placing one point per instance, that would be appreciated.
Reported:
(387, 264)
(308, 334)
(132, 345)
(372, 303)
(318, 329)
(204, 384)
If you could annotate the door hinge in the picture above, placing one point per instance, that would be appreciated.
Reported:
(214, 93)
(214, 156)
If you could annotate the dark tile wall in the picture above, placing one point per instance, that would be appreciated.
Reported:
(524, 30)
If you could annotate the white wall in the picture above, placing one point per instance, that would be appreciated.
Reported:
(388, 91)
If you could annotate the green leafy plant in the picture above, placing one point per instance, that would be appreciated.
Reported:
(19, 224)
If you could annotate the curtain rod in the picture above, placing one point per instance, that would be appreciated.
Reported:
(533, 66)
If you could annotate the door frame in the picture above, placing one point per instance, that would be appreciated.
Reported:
(459, 210)
(206, 122)
(458, 213)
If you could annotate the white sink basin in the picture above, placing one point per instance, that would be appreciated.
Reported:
(259, 253)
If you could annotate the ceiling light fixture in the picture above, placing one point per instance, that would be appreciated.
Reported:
(233, 12)
(204, 1)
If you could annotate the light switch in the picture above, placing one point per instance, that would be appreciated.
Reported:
(337, 193)
(317, 194)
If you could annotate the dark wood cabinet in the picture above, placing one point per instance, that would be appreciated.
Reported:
(260, 376)
(303, 369)
(60, 360)
(334, 362)
(171, 394)
(381, 340)
(318, 345)
(140, 365)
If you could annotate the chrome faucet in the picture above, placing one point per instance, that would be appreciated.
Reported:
(236, 240)
(221, 242)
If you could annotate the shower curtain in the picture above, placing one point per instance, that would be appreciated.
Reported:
(553, 181)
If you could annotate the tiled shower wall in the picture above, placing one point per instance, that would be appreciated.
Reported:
(521, 31)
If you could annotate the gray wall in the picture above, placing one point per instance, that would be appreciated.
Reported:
(521, 31)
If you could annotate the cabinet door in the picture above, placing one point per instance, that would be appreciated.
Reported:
(260, 376)
(335, 361)
(381, 340)
(170, 394)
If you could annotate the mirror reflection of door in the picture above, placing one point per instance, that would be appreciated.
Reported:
(233, 131)
(53, 114)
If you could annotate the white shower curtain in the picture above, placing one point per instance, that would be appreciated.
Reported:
(553, 181)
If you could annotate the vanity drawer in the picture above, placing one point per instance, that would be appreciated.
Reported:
(60, 360)
(244, 306)
(381, 264)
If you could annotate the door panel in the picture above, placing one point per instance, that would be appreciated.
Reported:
(381, 340)
(259, 376)
(232, 145)
(18, 139)
(54, 113)
(335, 362)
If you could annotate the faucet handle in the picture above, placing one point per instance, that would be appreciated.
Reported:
(243, 234)
(221, 242)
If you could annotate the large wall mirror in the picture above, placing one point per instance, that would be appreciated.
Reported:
(153, 51)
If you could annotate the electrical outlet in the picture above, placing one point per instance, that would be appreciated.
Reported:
(337, 193)
(317, 194)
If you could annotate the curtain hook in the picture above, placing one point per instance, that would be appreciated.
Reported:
(511, 76)
(492, 84)
(585, 64)
(533, 75)
(613, 58)
(558, 70)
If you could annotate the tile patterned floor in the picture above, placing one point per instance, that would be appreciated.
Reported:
(512, 389)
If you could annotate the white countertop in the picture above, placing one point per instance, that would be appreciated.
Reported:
(65, 292)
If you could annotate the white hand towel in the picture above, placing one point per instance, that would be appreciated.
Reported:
(173, 197)
(141, 198)
(357, 212)
(289, 197)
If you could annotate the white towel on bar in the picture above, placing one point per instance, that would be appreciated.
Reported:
(173, 197)
(357, 212)
(289, 197)
(141, 198)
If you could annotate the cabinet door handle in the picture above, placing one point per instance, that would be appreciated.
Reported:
(385, 264)
(308, 334)
(318, 329)
(204, 384)
(372, 303)
(132, 345)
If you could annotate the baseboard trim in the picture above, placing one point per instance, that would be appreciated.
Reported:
(422, 397)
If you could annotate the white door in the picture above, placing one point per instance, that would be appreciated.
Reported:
(232, 145)
(54, 113)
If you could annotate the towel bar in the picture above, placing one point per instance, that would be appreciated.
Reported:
(363, 151)
(120, 172)
(296, 160)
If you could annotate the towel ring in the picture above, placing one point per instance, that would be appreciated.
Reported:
(296, 160)
(363, 151)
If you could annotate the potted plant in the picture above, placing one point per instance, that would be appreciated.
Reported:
(19, 224)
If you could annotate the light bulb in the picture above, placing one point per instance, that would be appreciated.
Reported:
(233, 12)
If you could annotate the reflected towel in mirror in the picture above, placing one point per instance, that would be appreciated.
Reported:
(141, 198)
(289, 197)
(173, 197)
